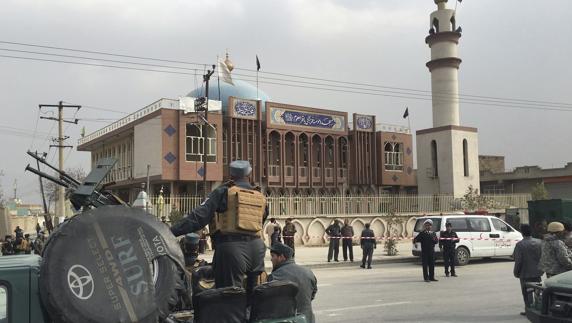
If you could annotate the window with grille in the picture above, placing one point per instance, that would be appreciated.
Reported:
(195, 143)
(393, 154)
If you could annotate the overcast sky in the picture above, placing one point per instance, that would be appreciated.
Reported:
(514, 49)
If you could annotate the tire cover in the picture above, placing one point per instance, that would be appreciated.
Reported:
(110, 264)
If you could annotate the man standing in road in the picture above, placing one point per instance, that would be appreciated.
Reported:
(235, 231)
(334, 233)
(447, 243)
(285, 269)
(527, 254)
(368, 243)
(428, 240)
(556, 258)
(348, 240)
(288, 235)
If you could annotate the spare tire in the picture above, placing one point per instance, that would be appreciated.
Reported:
(111, 264)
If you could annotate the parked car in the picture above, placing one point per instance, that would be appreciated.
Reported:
(480, 236)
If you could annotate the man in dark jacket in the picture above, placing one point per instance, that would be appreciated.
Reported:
(334, 233)
(428, 240)
(368, 243)
(527, 254)
(347, 240)
(288, 233)
(447, 243)
(285, 269)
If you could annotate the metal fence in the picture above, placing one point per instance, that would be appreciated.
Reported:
(311, 206)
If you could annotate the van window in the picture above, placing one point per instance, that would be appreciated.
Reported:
(436, 224)
(3, 304)
(480, 224)
(499, 225)
(459, 224)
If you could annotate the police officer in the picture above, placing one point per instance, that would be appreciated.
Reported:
(447, 244)
(334, 233)
(368, 243)
(235, 230)
(428, 240)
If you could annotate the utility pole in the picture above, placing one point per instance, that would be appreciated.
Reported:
(60, 140)
(206, 79)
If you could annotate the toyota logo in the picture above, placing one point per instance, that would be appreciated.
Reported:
(80, 282)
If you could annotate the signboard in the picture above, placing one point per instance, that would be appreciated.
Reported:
(187, 104)
(364, 123)
(245, 109)
(306, 118)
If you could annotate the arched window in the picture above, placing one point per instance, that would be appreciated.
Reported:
(195, 142)
(465, 158)
(434, 166)
(453, 23)
(393, 155)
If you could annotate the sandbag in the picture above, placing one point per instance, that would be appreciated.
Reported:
(273, 300)
(221, 305)
(111, 264)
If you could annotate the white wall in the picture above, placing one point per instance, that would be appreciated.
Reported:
(148, 148)
(451, 179)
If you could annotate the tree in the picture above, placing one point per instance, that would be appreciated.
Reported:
(473, 201)
(393, 224)
(51, 188)
(539, 192)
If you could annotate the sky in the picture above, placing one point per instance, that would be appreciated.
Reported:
(511, 49)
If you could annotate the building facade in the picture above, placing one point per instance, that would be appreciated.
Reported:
(293, 149)
(523, 179)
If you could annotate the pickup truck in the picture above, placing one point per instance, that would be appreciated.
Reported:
(552, 300)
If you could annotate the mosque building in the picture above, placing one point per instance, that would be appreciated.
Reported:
(293, 149)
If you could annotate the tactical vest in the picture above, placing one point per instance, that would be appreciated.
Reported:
(244, 214)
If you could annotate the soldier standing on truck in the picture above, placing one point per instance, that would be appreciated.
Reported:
(235, 212)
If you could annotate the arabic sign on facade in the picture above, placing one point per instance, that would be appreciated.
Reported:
(297, 118)
(244, 109)
(364, 123)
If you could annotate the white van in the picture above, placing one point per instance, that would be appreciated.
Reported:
(480, 236)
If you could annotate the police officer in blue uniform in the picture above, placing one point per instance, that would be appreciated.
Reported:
(239, 251)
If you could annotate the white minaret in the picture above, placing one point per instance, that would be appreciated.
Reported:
(447, 154)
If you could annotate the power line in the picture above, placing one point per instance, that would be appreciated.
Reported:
(557, 104)
(97, 59)
(337, 88)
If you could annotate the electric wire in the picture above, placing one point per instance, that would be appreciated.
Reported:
(281, 74)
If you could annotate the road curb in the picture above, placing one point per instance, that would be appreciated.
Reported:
(345, 264)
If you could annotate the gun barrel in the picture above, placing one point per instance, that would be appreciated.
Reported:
(46, 176)
(63, 174)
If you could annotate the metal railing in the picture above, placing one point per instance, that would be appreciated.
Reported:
(311, 206)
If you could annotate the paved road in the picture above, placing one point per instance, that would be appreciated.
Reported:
(485, 291)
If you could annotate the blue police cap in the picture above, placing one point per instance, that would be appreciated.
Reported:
(193, 238)
(281, 249)
(240, 168)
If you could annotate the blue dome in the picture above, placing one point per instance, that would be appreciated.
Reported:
(240, 89)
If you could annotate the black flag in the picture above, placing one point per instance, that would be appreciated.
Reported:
(257, 64)
(460, 1)
(406, 113)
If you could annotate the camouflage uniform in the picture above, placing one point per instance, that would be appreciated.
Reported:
(556, 258)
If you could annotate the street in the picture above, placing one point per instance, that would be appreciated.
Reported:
(485, 291)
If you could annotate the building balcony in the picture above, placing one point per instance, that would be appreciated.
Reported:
(303, 176)
(316, 175)
(289, 175)
(274, 173)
